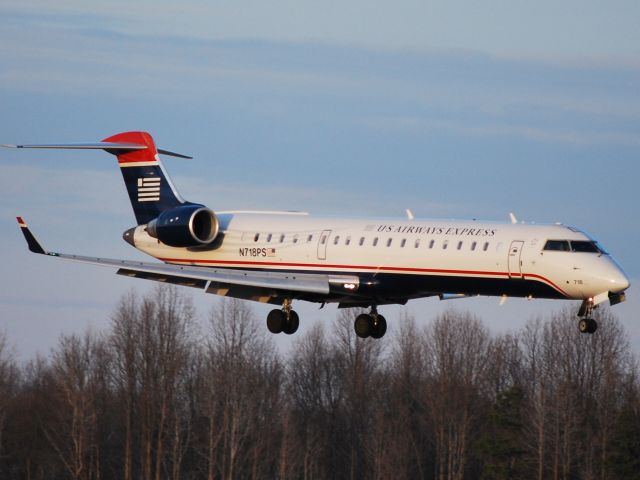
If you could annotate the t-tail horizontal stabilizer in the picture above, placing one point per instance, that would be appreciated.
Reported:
(114, 148)
(33, 244)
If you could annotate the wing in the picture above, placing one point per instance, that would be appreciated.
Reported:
(253, 285)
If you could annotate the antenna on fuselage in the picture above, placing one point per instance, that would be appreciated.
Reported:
(513, 218)
(409, 214)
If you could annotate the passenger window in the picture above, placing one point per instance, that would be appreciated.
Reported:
(445, 244)
(403, 242)
(388, 242)
(309, 238)
(486, 246)
(417, 244)
(375, 241)
(323, 239)
(361, 241)
(295, 238)
(557, 245)
(336, 239)
(269, 237)
(282, 238)
(459, 245)
(431, 243)
(473, 246)
(347, 241)
(255, 239)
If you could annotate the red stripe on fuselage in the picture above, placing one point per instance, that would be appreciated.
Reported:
(362, 267)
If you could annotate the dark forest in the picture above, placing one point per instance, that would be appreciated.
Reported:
(162, 394)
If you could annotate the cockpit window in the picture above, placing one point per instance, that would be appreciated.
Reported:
(584, 246)
(557, 245)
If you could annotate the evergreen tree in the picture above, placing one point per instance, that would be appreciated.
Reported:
(501, 442)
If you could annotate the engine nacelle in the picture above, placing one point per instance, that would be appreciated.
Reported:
(186, 226)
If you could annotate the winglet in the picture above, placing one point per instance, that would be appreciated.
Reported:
(33, 244)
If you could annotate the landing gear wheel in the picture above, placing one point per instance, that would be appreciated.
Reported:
(379, 326)
(292, 323)
(587, 325)
(363, 324)
(276, 321)
(583, 325)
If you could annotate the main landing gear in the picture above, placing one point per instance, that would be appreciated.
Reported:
(285, 320)
(371, 324)
(586, 323)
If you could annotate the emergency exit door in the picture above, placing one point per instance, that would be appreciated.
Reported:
(322, 244)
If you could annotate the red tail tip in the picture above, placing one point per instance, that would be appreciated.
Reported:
(136, 156)
(21, 221)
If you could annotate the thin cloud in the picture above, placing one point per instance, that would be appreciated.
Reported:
(420, 126)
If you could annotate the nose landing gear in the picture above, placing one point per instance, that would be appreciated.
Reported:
(586, 323)
(371, 324)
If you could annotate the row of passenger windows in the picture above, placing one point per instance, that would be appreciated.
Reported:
(280, 238)
(403, 243)
(374, 242)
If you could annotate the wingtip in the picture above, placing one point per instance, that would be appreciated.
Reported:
(32, 243)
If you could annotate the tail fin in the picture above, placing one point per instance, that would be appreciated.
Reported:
(149, 187)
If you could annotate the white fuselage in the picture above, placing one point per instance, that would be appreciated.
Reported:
(406, 258)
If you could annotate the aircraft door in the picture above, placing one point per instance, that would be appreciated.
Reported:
(515, 262)
(323, 241)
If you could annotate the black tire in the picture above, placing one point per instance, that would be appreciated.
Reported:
(378, 326)
(275, 321)
(362, 325)
(584, 325)
(593, 325)
(292, 323)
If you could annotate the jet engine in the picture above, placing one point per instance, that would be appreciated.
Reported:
(185, 226)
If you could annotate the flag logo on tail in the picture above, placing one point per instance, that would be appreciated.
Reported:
(149, 189)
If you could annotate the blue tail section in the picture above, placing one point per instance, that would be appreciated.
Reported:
(150, 189)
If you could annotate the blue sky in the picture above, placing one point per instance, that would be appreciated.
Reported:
(364, 108)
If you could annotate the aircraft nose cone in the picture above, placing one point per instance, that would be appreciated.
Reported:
(618, 282)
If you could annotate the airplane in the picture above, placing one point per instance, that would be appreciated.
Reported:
(279, 257)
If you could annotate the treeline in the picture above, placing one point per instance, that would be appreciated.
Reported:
(162, 396)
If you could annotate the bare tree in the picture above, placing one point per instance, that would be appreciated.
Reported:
(405, 427)
(457, 349)
(241, 401)
(152, 342)
(74, 434)
(123, 339)
(314, 403)
(359, 363)
(574, 383)
(8, 387)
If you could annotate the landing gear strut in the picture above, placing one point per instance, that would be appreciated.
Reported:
(285, 320)
(586, 323)
(371, 324)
